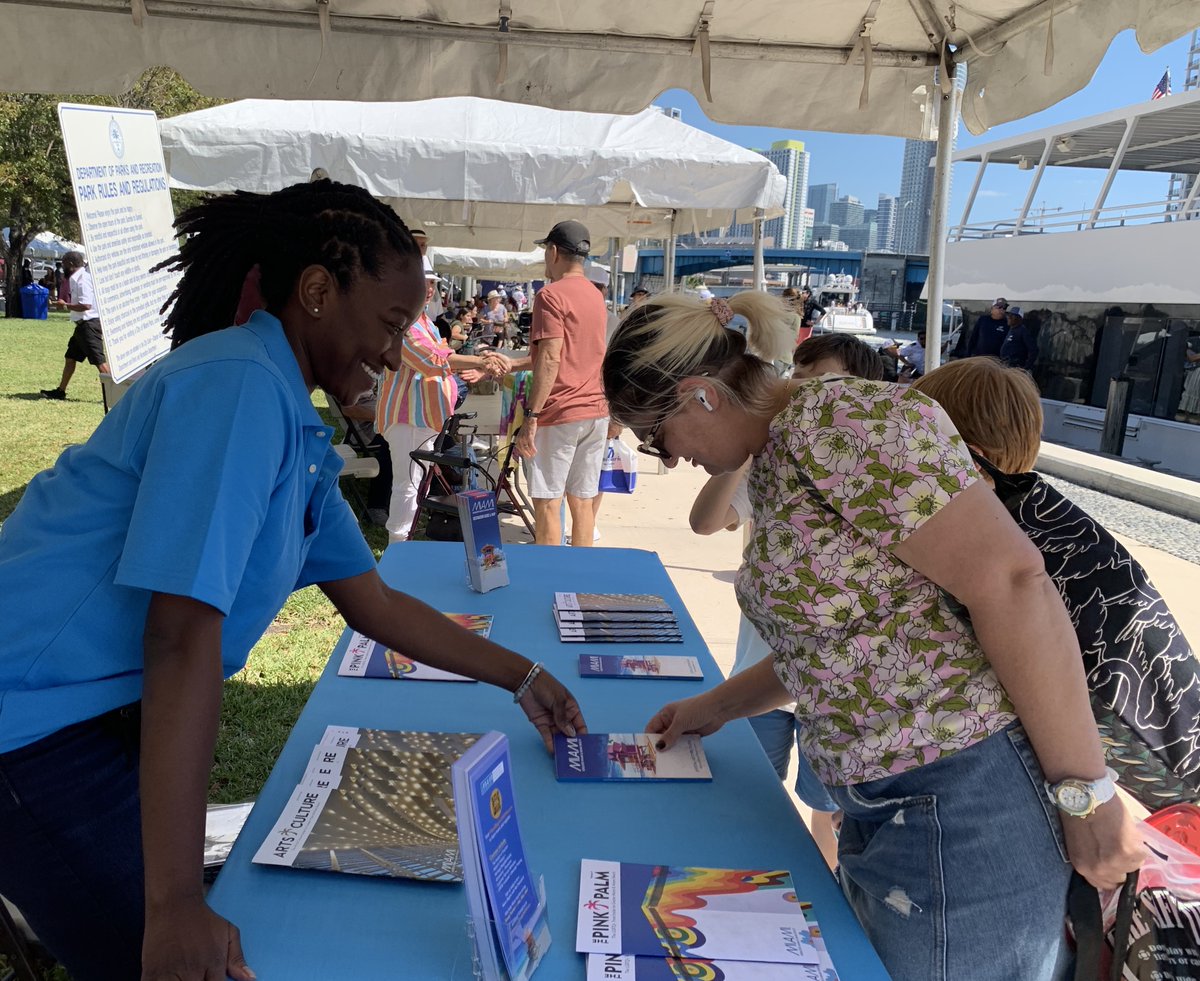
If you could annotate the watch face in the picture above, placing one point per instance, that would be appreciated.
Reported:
(1073, 798)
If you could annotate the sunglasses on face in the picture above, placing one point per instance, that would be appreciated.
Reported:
(647, 445)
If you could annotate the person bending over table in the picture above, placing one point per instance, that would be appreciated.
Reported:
(937, 678)
(138, 572)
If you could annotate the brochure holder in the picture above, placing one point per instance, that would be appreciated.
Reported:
(477, 971)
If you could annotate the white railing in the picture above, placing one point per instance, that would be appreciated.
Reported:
(1112, 216)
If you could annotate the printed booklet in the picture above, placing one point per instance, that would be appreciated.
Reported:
(612, 618)
(625, 634)
(624, 967)
(666, 666)
(480, 521)
(610, 602)
(373, 802)
(507, 909)
(628, 756)
(364, 658)
(691, 913)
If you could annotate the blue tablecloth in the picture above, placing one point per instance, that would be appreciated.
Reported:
(324, 925)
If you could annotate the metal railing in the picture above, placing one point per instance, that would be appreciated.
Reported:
(1085, 219)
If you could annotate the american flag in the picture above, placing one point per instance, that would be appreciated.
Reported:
(1163, 88)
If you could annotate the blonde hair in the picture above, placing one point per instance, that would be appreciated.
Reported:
(996, 409)
(674, 336)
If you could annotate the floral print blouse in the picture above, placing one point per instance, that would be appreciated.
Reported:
(884, 666)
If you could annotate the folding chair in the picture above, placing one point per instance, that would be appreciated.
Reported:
(357, 460)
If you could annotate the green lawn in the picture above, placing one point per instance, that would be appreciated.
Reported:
(263, 701)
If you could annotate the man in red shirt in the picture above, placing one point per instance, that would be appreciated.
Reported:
(566, 421)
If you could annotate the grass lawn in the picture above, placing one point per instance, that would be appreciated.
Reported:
(263, 701)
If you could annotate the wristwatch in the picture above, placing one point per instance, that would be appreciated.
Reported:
(534, 415)
(1079, 798)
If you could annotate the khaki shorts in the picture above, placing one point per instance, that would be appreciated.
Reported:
(568, 459)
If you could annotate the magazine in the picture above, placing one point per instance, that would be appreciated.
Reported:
(616, 602)
(373, 802)
(364, 658)
(639, 666)
(572, 618)
(625, 635)
(628, 756)
(625, 967)
(691, 913)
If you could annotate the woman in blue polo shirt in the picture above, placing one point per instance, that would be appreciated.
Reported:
(139, 571)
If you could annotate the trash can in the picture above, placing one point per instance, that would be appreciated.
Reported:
(35, 302)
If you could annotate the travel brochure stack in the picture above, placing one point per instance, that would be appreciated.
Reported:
(373, 802)
(615, 618)
(652, 922)
(364, 658)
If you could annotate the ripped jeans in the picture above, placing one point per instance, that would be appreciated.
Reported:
(957, 869)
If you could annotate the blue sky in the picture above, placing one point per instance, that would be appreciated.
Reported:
(866, 165)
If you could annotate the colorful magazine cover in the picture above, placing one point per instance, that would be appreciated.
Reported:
(625, 967)
(665, 666)
(487, 568)
(610, 635)
(627, 602)
(364, 658)
(374, 802)
(691, 913)
(628, 756)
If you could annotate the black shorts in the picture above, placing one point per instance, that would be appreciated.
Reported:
(87, 343)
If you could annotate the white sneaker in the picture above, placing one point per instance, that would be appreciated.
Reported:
(595, 534)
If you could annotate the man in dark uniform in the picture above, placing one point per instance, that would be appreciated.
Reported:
(990, 330)
(1019, 349)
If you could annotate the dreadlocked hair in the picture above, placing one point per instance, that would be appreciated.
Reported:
(338, 226)
(673, 336)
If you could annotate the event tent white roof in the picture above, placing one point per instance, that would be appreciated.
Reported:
(859, 66)
(485, 264)
(479, 173)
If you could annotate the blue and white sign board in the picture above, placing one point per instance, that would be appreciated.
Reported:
(125, 212)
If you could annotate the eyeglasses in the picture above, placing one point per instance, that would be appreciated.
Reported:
(647, 445)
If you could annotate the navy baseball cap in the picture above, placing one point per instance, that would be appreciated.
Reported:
(570, 236)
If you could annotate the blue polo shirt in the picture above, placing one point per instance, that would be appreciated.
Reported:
(212, 478)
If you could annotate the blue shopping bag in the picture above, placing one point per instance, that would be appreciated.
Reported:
(618, 471)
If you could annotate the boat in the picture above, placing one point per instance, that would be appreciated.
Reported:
(1111, 290)
(838, 295)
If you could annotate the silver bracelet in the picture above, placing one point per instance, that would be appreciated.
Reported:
(528, 682)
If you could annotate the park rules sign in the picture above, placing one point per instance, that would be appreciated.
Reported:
(124, 206)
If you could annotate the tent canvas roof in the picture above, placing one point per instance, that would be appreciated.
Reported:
(487, 174)
(856, 66)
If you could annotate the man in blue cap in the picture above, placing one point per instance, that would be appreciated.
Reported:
(1019, 349)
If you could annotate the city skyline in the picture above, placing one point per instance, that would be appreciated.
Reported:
(867, 166)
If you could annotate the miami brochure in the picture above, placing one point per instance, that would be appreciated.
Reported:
(610, 602)
(373, 802)
(666, 666)
(364, 658)
(691, 914)
(624, 967)
(628, 756)
(507, 909)
(487, 568)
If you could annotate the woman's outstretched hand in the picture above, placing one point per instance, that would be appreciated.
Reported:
(696, 714)
(551, 708)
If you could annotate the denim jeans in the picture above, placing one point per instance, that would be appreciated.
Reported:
(957, 869)
(776, 731)
(71, 844)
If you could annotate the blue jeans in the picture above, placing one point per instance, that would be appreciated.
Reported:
(957, 869)
(776, 731)
(71, 844)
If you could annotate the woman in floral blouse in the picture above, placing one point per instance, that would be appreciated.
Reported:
(936, 675)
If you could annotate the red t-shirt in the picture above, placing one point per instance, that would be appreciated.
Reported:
(574, 310)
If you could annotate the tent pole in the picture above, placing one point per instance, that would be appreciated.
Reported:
(616, 275)
(947, 107)
(669, 257)
(760, 275)
(610, 300)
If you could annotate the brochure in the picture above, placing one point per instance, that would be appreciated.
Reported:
(612, 635)
(574, 618)
(691, 913)
(480, 521)
(628, 756)
(507, 911)
(639, 666)
(373, 802)
(618, 602)
(364, 658)
(624, 967)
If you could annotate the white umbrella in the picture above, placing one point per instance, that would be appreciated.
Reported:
(479, 173)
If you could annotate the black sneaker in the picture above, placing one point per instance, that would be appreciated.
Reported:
(53, 393)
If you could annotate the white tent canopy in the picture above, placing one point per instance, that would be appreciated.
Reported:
(479, 173)
(484, 264)
(47, 245)
(856, 66)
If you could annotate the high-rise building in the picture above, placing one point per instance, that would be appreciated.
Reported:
(846, 211)
(808, 229)
(885, 222)
(916, 196)
(823, 234)
(788, 230)
(820, 197)
(861, 237)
